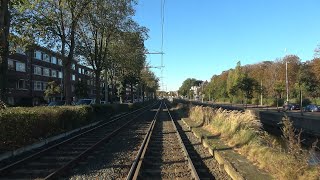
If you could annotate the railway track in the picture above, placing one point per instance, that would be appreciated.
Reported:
(54, 161)
(163, 153)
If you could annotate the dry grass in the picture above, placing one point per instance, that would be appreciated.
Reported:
(243, 129)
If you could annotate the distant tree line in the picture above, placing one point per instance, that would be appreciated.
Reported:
(267, 79)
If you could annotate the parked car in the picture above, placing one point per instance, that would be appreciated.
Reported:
(312, 108)
(85, 102)
(57, 103)
(291, 107)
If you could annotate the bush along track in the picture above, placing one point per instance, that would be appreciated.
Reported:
(20, 126)
(242, 133)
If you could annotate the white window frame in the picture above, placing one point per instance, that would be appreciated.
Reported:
(37, 55)
(10, 63)
(73, 66)
(45, 57)
(23, 86)
(46, 70)
(79, 70)
(44, 86)
(20, 66)
(53, 60)
(60, 75)
(53, 73)
(60, 62)
(73, 77)
(20, 50)
(37, 85)
(37, 70)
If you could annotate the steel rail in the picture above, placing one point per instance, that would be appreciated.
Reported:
(37, 154)
(136, 166)
(62, 169)
(134, 170)
(193, 169)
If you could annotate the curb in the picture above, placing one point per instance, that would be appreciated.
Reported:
(228, 167)
(46, 141)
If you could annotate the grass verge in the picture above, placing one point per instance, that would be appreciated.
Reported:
(243, 131)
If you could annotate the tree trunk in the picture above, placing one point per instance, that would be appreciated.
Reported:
(106, 92)
(4, 46)
(131, 92)
(69, 62)
(97, 86)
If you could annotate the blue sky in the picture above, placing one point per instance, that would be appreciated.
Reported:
(203, 38)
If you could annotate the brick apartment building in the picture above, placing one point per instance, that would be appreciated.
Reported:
(30, 71)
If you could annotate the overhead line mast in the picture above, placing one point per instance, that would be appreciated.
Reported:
(161, 51)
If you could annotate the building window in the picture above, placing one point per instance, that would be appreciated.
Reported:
(53, 73)
(88, 82)
(73, 66)
(20, 50)
(10, 64)
(53, 60)
(82, 71)
(37, 85)
(44, 86)
(60, 62)
(37, 55)
(72, 88)
(46, 72)
(60, 74)
(37, 70)
(73, 77)
(21, 67)
(79, 70)
(21, 84)
(46, 57)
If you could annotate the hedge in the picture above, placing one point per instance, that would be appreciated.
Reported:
(20, 126)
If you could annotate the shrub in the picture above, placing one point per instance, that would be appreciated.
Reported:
(21, 126)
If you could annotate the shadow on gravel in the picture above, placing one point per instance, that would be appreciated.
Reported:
(195, 157)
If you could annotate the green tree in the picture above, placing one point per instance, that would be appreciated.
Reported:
(55, 23)
(52, 89)
(186, 86)
(247, 86)
(105, 21)
(149, 83)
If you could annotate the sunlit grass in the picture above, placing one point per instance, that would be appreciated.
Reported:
(243, 131)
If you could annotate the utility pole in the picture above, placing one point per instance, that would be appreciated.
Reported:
(287, 83)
